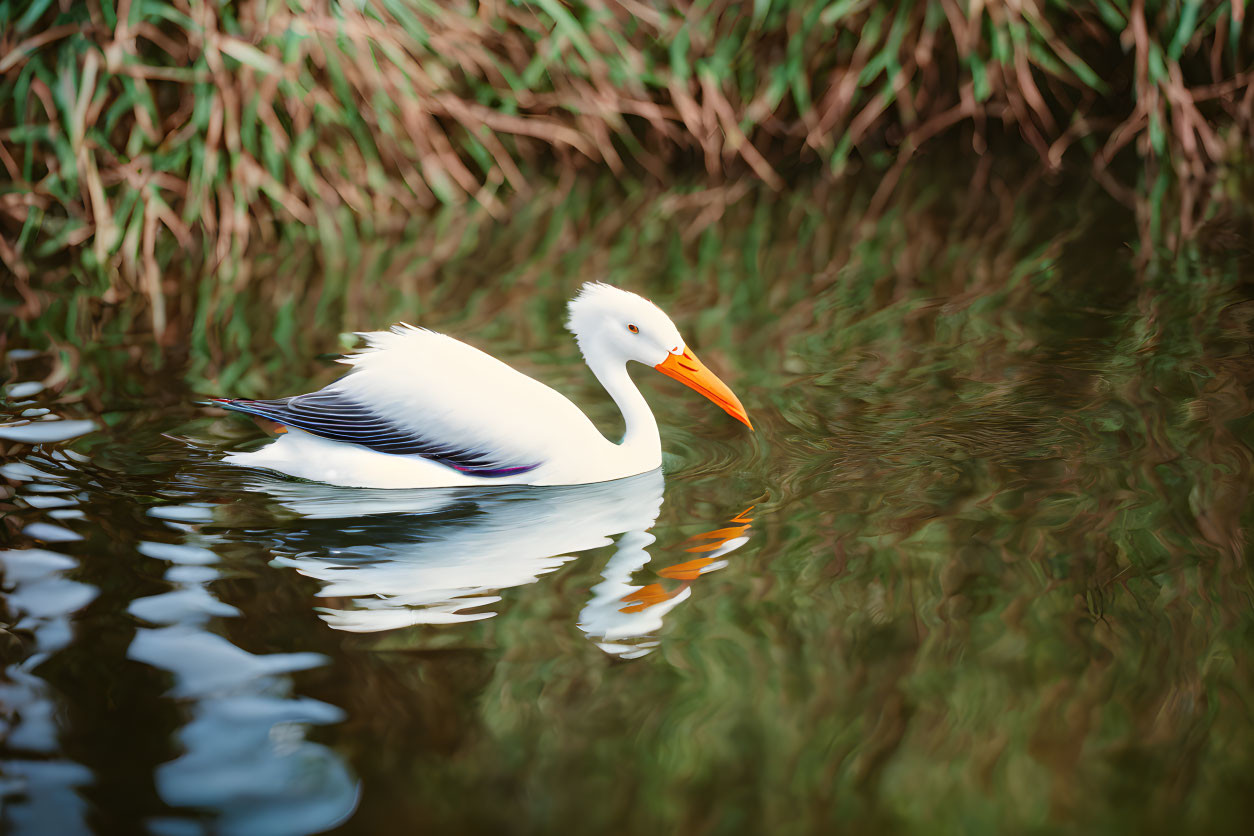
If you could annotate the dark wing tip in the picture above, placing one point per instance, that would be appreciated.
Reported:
(244, 405)
(489, 471)
(331, 415)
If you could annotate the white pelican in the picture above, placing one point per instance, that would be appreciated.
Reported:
(423, 410)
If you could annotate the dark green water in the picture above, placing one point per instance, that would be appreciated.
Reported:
(983, 567)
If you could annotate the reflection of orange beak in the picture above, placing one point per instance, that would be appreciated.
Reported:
(690, 371)
(648, 596)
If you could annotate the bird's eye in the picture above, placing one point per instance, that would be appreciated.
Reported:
(633, 329)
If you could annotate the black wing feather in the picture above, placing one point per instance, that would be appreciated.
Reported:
(331, 414)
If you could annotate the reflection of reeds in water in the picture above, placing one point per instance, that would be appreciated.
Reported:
(213, 126)
(719, 258)
(999, 583)
(1046, 483)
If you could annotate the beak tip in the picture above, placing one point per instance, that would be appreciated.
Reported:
(692, 373)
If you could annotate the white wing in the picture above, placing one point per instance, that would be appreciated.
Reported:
(415, 392)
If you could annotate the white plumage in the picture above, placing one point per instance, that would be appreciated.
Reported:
(421, 409)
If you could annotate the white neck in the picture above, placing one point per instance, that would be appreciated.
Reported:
(641, 440)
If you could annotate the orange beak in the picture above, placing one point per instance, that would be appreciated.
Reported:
(690, 371)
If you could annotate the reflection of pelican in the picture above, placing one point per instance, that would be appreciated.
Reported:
(442, 563)
(432, 566)
(421, 410)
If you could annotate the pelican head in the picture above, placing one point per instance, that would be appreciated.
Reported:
(616, 326)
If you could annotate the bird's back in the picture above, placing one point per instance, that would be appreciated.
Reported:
(442, 387)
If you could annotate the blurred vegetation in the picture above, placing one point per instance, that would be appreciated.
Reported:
(153, 143)
(1000, 582)
(1000, 574)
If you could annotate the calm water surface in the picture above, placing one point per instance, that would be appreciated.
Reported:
(982, 567)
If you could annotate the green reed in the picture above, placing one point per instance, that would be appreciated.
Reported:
(143, 136)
